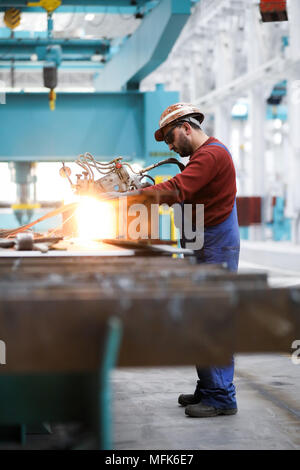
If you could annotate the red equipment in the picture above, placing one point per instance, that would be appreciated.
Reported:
(273, 10)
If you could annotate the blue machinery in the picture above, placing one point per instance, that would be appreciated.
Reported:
(105, 124)
(115, 120)
(281, 225)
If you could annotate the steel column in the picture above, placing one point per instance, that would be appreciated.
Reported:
(294, 116)
(257, 115)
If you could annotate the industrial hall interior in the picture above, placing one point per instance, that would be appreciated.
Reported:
(149, 226)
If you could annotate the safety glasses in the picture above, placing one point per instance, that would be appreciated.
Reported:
(169, 137)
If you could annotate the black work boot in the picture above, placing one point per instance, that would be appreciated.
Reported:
(204, 411)
(191, 399)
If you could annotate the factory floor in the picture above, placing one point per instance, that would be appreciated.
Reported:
(147, 416)
(280, 260)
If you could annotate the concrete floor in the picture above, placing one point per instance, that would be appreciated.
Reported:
(147, 416)
(283, 255)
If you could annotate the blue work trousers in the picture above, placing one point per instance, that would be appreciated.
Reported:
(221, 244)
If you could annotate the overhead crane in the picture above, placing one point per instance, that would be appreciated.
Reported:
(87, 122)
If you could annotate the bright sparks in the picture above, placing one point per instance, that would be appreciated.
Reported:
(95, 219)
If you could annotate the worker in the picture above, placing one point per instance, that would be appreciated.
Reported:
(208, 178)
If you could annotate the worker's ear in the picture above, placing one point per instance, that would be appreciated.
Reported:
(187, 128)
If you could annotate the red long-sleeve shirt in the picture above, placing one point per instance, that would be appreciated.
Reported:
(208, 178)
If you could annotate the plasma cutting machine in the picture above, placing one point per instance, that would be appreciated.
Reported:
(116, 176)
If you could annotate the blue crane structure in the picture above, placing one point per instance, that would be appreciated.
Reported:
(116, 119)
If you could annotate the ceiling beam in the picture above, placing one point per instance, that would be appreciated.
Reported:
(147, 48)
(78, 3)
(10, 48)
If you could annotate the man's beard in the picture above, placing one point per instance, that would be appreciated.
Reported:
(184, 147)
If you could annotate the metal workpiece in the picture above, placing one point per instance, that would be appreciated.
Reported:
(173, 311)
(27, 242)
(266, 320)
(24, 241)
(94, 269)
(154, 331)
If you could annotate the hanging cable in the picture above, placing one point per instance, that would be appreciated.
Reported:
(150, 177)
(124, 17)
(96, 25)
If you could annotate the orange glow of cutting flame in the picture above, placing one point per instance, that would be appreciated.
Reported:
(95, 219)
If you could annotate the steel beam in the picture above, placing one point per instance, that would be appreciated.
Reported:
(67, 63)
(110, 10)
(147, 48)
(207, 311)
(268, 73)
(81, 122)
(79, 3)
(19, 47)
